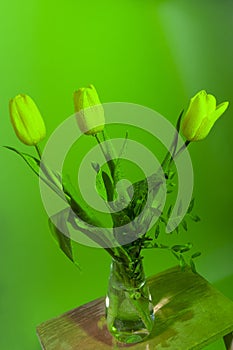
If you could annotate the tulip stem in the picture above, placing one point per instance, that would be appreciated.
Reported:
(185, 145)
(107, 156)
(171, 153)
(55, 183)
(174, 155)
(38, 151)
(99, 142)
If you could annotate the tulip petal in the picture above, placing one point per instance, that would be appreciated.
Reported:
(203, 130)
(18, 124)
(209, 122)
(78, 99)
(31, 118)
(211, 103)
(219, 110)
(197, 110)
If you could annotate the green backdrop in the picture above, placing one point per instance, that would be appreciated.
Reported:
(154, 53)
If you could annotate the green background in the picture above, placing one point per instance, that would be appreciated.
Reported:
(154, 53)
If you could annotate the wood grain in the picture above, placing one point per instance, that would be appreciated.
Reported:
(189, 314)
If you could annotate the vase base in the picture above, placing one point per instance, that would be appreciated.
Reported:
(130, 338)
(130, 332)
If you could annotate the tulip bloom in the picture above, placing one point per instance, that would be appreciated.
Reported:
(90, 112)
(26, 120)
(201, 115)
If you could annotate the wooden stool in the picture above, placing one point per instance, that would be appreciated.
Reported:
(189, 314)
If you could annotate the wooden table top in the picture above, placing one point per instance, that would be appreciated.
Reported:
(189, 314)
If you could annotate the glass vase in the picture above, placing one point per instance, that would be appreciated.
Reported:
(129, 309)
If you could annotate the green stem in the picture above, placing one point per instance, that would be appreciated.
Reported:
(126, 274)
(100, 144)
(44, 168)
(144, 315)
(48, 173)
(38, 150)
(107, 156)
(54, 188)
(182, 148)
(166, 158)
(170, 154)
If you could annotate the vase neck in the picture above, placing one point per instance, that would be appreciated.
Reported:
(127, 275)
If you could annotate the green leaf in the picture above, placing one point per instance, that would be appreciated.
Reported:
(51, 178)
(191, 262)
(82, 212)
(182, 262)
(122, 151)
(163, 246)
(195, 218)
(169, 211)
(140, 192)
(191, 205)
(155, 245)
(100, 187)
(177, 256)
(180, 258)
(192, 265)
(59, 227)
(182, 248)
(108, 186)
(185, 225)
(162, 219)
(93, 232)
(31, 161)
(195, 255)
(170, 175)
(57, 176)
(95, 166)
(157, 231)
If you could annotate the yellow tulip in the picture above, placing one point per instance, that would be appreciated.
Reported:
(90, 112)
(26, 120)
(201, 115)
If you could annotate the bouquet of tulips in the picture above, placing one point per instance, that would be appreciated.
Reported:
(195, 125)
